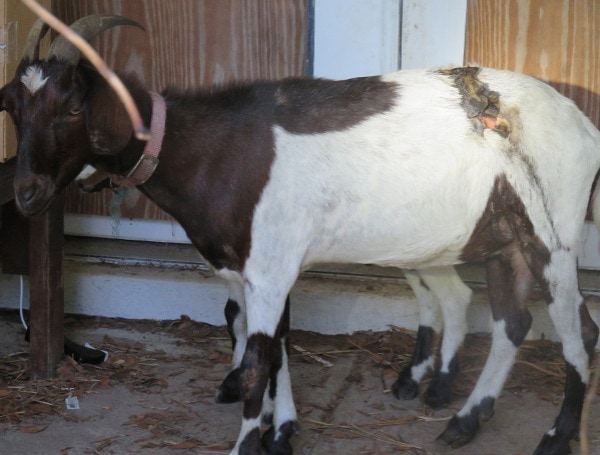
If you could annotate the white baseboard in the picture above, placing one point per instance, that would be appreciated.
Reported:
(124, 228)
(324, 304)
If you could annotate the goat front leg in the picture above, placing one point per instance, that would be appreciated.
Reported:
(278, 405)
(254, 377)
(265, 360)
(235, 315)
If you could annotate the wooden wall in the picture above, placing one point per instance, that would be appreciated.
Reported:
(557, 41)
(192, 43)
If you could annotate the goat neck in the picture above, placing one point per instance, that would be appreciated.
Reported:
(148, 162)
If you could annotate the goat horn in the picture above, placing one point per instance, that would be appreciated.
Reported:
(87, 27)
(31, 51)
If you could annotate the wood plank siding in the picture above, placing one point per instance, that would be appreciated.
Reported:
(557, 41)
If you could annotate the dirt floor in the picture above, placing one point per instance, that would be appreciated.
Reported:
(155, 394)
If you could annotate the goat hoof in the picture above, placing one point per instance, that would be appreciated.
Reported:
(405, 387)
(486, 409)
(439, 393)
(267, 418)
(459, 432)
(252, 444)
(282, 445)
(229, 390)
(553, 445)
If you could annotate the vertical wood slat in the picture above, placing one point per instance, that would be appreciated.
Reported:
(557, 41)
(46, 291)
(192, 43)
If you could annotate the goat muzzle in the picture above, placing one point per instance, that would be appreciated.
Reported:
(33, 195)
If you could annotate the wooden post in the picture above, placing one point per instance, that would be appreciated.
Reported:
(46, 291)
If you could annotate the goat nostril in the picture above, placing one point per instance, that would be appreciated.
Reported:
(26, 194)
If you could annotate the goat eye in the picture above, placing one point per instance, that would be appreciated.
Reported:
(75, 111)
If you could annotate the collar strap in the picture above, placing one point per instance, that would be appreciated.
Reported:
(146, 165)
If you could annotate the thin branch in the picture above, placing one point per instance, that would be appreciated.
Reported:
(141, 132)
(587, 405)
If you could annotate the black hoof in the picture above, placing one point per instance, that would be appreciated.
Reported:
(486, 409)
(439, 393)
(267, 419)
(459, 431)
(229, 390)
(282, 445)
(251, 445)
(553, 445)
(405, 387)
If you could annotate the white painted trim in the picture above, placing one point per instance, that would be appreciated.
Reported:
(433, 33)
(142, 292)
(589, 248)
(356, 37)
(124, 228)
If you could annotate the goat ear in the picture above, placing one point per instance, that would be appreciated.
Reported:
(108, 124)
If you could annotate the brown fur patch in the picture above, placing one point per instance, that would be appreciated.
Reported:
(504, 222)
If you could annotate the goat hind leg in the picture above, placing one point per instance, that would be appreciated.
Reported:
(454, 298)
(579, 335)
(235, 315)
(406, 386)
(512, 321)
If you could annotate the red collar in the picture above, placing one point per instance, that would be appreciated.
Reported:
(146, 165)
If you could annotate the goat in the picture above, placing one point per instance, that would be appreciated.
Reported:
(416, 169)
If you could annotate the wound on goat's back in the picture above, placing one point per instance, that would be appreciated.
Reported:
(479, 102)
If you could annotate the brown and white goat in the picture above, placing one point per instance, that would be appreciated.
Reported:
(415, 169)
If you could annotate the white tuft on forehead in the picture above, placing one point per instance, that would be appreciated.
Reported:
(34, 78)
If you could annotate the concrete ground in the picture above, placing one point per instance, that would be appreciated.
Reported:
(155, 395)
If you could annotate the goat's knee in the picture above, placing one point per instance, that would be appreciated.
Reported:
(517, 326)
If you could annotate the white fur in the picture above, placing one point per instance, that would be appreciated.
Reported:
(34, 79)
(429, 306)
(564, 310)
(418, 371)
(85, 173)
(284, 407)
(454, 298)
(498, 364)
